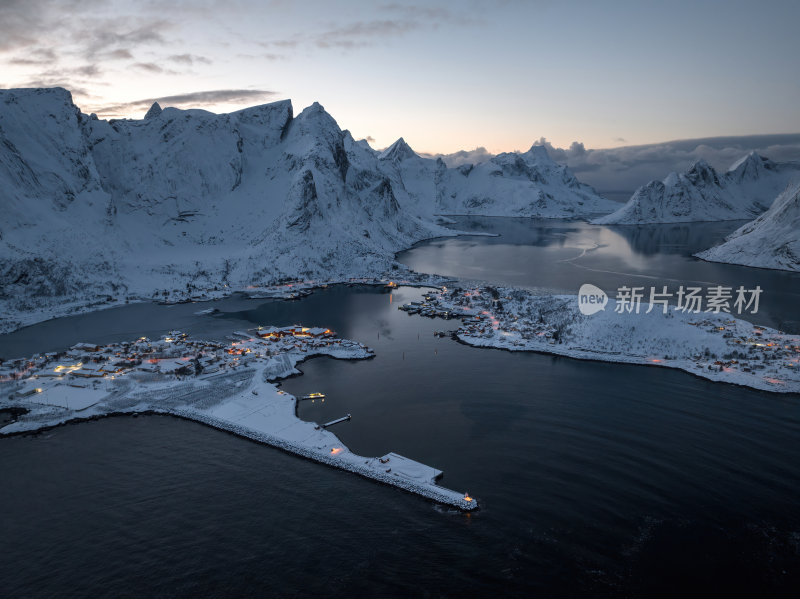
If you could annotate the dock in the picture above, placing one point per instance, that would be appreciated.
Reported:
(337, 421)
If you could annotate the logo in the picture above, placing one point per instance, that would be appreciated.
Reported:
(591, 299)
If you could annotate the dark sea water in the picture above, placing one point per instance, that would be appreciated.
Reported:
(594, 479)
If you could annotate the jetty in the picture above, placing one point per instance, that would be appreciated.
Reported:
(337, 421)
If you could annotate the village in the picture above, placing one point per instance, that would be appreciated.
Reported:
(714, 346)
(174, 355)
(227, 385)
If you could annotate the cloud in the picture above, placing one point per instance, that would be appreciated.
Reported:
(369, 139)
(87, 70)
(190, 100)
(75, 79)
(627, 168)
(150, 67)
(475, 156)
(74, 88)
(103, 36)
(363, 33)
(119, 54)
(36, 56)
(357, 34)
(188, 59)
(65, 42)
(393, 20)
(23, 22)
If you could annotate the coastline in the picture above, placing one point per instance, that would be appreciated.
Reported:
(15, 320)
(736, 351)
(243, 401)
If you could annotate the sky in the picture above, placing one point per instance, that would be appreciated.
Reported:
(446, 76)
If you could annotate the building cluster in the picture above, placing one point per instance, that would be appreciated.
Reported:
(173, 354)
(749, 352)
(488, 312)
(481, 311)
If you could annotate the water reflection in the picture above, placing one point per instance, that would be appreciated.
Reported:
(559, 256)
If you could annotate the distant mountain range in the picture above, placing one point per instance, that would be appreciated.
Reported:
(510, 184)
(626, 168)
(746, 190)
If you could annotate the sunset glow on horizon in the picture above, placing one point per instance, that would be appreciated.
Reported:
(444, 76)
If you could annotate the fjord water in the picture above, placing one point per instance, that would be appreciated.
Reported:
(559, 256)
(594, 478)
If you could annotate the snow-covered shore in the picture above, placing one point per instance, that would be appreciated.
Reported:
(713, 346)
(14, 318)
(227, 386)
(770, 241)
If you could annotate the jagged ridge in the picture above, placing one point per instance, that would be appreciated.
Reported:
(746, 190)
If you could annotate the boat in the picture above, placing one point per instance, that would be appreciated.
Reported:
(314, 396)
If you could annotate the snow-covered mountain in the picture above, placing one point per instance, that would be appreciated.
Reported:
(746, 190)
(510, 184)
(187, 198)
(770, 241)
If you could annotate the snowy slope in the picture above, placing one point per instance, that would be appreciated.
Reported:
(188, 199)
(185, 198)
(770, 241)
(746, 190)
(510, 184)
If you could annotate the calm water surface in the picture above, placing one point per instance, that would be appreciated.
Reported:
(560, 256)
(595, 479)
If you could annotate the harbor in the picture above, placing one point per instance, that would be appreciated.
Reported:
(230, 386)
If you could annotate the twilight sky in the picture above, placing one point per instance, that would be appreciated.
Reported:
(446, 76)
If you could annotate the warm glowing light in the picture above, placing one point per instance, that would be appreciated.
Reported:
(655, 360)
(336, 450)
(62, 368)
(467, 497)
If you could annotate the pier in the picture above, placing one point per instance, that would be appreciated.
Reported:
(337, 421)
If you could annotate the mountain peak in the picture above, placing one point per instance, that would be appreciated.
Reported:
(316, 119)
(701, 172)
(750, 167)
(154, 111)
(539, 153)
(700, 165)
(750, 158)
(398, 151)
